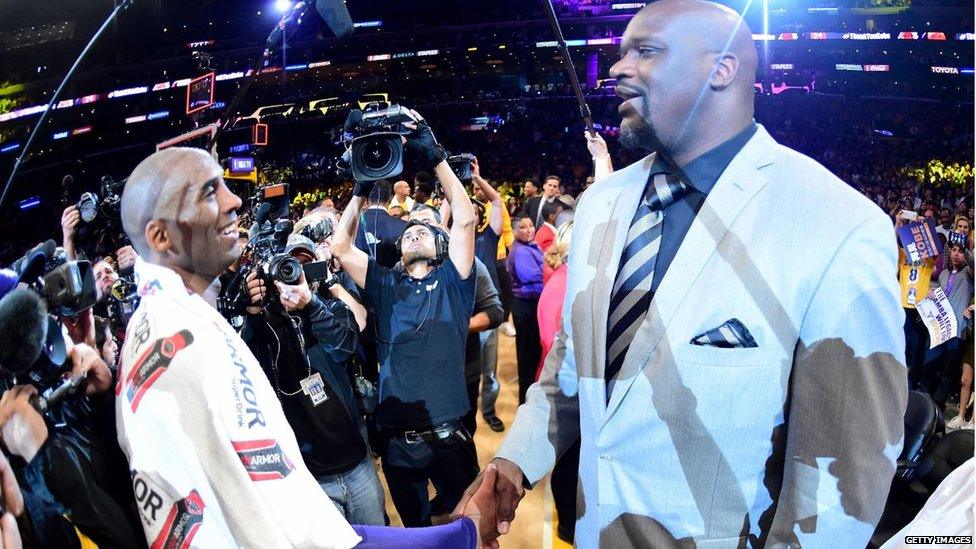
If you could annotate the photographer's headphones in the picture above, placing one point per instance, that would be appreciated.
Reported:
(441, 241)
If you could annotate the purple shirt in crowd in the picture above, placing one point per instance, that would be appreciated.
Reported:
(524, 264)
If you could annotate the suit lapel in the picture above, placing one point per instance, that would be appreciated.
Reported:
(740, 181)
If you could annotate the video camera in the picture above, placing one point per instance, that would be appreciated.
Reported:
(67, 287)
(376, 151)
(103, 217)
(32, 347)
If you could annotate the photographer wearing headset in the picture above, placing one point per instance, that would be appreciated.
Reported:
(422, 325)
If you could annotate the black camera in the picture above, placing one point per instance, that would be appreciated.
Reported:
(376, 151)
(68, 287)
(461, 165)
(266, 250)
(103, 217)
(122, 302)
(318, 232)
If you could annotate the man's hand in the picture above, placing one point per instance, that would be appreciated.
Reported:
(508, 491)
(422, 144)
(126, 257)
(13, 500)
(482, 506)
(70, 219)
(87, 362)
(968, 313)
(9, 533)
(296, 297)
(257, 291)
(596, 145)
(475, 169)
(23, 429)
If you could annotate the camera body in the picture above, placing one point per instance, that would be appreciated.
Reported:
(461, 166)
(67, 287)
(266, 247)
(103, 216)
(376, 151)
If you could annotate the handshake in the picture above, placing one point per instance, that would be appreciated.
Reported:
(491, 500)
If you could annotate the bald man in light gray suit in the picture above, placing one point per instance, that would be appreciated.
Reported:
(731, 356)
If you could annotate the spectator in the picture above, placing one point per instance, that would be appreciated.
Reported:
(525, 268)
(487, 238)
(401, 198)
(943, 371)
(546, 234)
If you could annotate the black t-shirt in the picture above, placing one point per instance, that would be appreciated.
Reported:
(327, 435)
(486, 249)
(422, 327)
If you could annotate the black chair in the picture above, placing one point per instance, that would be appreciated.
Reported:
(924, 422)
(924, 427)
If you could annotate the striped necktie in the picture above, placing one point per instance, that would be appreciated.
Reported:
(631, 295)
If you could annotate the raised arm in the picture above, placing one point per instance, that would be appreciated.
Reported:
(602, 164)
(354, 261)
(493, 196)
(429, 153)
(461, 247)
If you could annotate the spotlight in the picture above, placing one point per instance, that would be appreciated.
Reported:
(282, 5)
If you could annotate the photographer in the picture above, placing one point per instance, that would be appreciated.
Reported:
(422, 316)
(60, 458)
(303, 340)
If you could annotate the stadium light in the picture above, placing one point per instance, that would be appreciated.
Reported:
(282, 5)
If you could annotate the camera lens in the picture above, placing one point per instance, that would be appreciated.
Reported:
(377, 156)
(286, 269)
(88, 207)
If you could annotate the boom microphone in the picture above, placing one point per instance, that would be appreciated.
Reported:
(336, 16)
(23, 330)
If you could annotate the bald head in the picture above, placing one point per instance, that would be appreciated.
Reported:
(719, 31)
(158, 185)
(686, 75)
(178, 212)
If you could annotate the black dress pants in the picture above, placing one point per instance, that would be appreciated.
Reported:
(528, 349)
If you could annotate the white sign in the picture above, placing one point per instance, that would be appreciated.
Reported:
(939, 318)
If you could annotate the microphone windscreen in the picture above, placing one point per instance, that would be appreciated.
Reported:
(68, 180)
(264, 210)
(336, 16)
(23, 330)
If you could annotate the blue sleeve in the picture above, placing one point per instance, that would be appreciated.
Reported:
(460, 534)
(462, 289)
(380, 286)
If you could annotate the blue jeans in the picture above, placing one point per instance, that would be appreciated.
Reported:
(357, 493)
(489, 375)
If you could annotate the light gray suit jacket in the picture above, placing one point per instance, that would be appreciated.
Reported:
(794, 441)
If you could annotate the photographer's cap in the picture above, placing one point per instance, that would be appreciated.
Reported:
(301, 243)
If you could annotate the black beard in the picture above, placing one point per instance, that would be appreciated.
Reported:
(642, 137)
